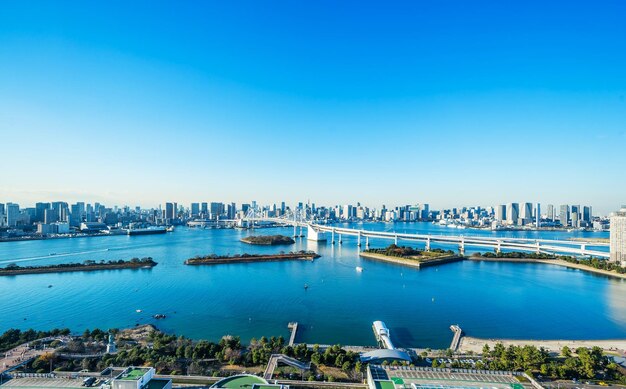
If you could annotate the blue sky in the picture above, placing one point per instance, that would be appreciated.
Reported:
(445, 102)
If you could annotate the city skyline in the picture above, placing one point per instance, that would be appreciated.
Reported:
(388, 104)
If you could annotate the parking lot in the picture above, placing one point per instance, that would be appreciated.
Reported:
(37, 382)
(426, 377)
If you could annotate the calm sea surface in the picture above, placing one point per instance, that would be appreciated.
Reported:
(491, 300)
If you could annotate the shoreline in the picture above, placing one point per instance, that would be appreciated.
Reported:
(412, 262)
(80, 268)
(253, 259)
(476, 345)
(558, 262)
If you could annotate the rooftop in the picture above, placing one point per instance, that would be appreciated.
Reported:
(241, 381)
(157, 383)
(133, 374)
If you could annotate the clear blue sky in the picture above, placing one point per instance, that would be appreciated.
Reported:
(445, 102)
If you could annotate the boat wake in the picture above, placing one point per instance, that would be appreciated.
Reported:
(51, 255)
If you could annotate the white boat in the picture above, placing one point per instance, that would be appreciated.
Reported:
(138, 310)
(359, 269)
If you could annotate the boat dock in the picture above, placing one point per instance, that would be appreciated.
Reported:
(293, 326)
(382, 334)
(456, 339)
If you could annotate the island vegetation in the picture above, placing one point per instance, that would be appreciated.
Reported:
(214, 259)
(88, 265)
(410, 256)
(595, 263)
(268, 240)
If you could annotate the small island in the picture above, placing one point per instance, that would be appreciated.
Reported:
(214, 259)
(268, 240)
(89, 265)
(592, 265)
(411, 257)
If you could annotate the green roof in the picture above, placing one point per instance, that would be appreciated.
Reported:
(239, 382)
(387, 384)
(133, 374)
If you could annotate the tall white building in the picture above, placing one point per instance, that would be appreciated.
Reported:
(500, 213)
(618, 236)
(512, 213)
(526, 215)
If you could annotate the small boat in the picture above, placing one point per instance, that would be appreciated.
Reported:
(138, 310)
(359, 269)
(49, 286)
(159, 316)
(306, 286)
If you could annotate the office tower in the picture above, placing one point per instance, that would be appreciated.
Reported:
(50, 216)
(282, 208)
(40, 209)
(169, 211)
(425, 211)
(587, 216)
(564, 215)
(195, 209)
(232, 211)
(205, 209)
(526, 215)
(538, 215)
(244, 208)
(550, 213)
(618, 236)
(500, 213)
(2, 211)
(217, 209)
(347, 212)
(574, 215)
(512, 213)
(12, 214)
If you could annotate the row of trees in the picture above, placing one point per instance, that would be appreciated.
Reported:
(15, 337)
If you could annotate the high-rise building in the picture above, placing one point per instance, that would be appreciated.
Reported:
(586, 216)
(170, 211)
(205, 209)
(564, 215)
(618, 236)
(2, 211)
(512, 213)
(13, 214)
(500, 213)
(538, 215)
(526, 215)
(574, 215)
(550, 213)
(195, 209)
(217, 209)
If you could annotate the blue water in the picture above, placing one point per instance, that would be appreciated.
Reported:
(489, 300)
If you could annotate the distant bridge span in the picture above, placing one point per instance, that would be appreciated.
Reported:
(546, 246)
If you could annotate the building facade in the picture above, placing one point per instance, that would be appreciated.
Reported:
(618, 236)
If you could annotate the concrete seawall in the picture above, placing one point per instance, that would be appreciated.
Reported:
(412, 262)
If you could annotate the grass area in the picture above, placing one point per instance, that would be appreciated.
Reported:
(133, 375)
(397, 380)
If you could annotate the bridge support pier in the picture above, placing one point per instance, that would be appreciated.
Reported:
(583, 248)
(462, 247)
(499, 247)
(340, 240)
(359, 240)
(367, 241)
(538, 250)
(428, 244)
(332, 236)
(395, 239)
(295, 232)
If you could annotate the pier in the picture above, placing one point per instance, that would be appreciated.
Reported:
(382, 334)
(293, 326)
(456, 339)
(282, 358)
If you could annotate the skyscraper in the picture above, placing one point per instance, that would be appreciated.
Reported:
(526, 215)
(169, 211)
(538, 215)
(618, 236)
(13, 213)
(564, 215)
(512, 213)
(550, 212)
(500, 213)
(195, 209)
